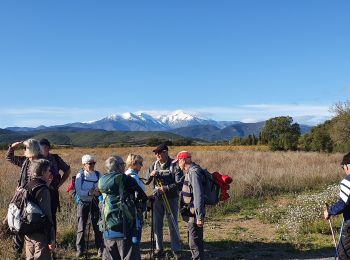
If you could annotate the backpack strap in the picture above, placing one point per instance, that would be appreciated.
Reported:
(82, 176)
(56, 156)
(33, 187)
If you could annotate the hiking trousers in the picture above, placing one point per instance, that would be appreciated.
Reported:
(118, 249)
(84, 211)
(344, 244)
(159, 212)
(37, 247)
(195, 241)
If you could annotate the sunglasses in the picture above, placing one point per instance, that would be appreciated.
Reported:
(91, 163)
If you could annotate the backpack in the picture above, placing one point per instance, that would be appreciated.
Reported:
(117, 208)
(71, 184)
(24, 216)
(216, 186)
(211, 188)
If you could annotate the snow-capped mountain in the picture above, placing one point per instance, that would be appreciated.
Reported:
(145, 122)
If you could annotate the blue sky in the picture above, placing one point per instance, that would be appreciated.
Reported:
(67, 61)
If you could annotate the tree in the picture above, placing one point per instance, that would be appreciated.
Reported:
(321, 139)
(236, 141)
(280, 133)
(340, 129)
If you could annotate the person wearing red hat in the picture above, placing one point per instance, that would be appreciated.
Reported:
(167, 179)
(192, 203)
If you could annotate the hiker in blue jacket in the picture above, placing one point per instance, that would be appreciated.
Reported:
(343, 206)
(87, 194)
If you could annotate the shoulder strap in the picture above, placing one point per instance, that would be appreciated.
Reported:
(97, 173)
(82, 176)
(33, 187)
(56, 156)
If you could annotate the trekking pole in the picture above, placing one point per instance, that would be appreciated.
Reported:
(341, 231)
(168, 209)
(333, 236)
(152, 231)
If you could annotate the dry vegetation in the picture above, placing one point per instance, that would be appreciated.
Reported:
(256, 174)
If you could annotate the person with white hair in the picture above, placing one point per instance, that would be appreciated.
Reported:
(87, 203)
(118, 210)
(31, 152)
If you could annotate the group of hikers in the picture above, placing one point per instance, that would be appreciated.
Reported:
(114, 201)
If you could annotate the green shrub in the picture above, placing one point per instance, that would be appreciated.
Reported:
(68, 238)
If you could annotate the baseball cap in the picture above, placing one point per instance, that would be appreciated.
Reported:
(87, 158)
(182, 155)
(160, 148)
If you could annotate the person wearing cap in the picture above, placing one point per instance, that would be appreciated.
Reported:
(167, 178)
(342, 206)
(57, 165)
(192, 203)
(31, 153)
(87, 193)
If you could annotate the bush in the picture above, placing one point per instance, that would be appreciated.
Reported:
(68, 238)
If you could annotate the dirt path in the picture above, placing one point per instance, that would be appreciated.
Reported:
(236, 237)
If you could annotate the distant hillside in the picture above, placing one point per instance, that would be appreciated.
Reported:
(211, 133)
(89, 138)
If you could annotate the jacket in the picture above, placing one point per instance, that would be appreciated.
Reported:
(343, 204)
(170, 175)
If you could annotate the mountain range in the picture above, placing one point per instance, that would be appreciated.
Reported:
(178, 122)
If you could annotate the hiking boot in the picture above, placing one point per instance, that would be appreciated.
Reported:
(158, 254)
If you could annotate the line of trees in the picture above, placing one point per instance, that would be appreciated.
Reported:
(280, 133)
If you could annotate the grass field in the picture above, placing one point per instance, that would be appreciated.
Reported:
(274, 211)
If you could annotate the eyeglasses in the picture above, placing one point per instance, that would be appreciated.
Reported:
(160, 152)
(140, 163)
(91, 163)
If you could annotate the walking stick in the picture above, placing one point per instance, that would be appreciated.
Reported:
(152, 230)
(168, 210)
(331, 227)
(341, 231)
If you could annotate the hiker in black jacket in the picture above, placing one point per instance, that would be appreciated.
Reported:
(57, 165)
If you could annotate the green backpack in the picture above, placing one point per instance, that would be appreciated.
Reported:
(117, 207)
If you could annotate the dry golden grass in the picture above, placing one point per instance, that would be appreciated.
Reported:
(255, 173)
